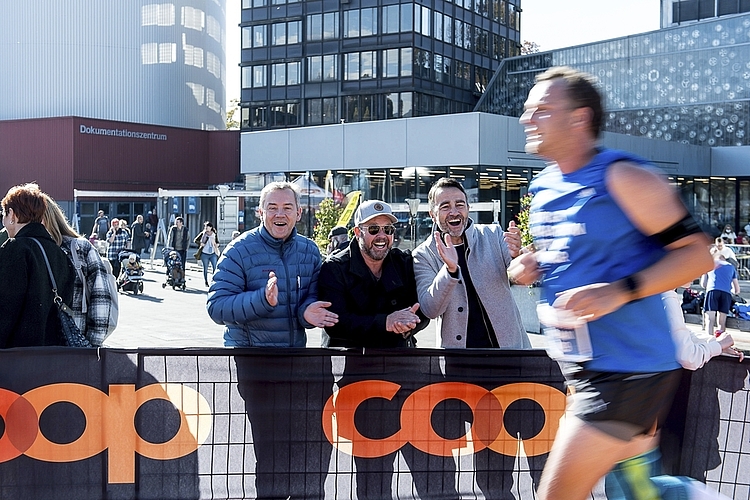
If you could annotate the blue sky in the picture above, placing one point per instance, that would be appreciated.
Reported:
(550, 23)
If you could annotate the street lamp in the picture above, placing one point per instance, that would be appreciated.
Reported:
(413, 211)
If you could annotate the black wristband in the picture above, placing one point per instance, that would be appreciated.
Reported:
(453, 275)
(632, 286)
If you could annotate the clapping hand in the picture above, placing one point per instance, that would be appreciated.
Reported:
(317, 314)
(447, 251)
(272, 289)
(512, 239)
(403, 321)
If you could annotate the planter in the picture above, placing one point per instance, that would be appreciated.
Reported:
(526, 300)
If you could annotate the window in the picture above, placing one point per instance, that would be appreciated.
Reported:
(193, 18)
(481, 41)
(391, 14)
(315, 27)
(407, 60)
(351, 23)
(322, 111)
(259, 116)
(292, 113)
(293, 73)
(459, 33)
(330, 25)
(498, 47)
(391, 63)
(360, 65)
(362, 22)
(391, 106)
(259, 76)
(278, 34)
(315, 69)
(462, 74)
(422, 63)
(330, 68)
(259, 35)
(468, 38)
(406, 18)
(322, 68)
(157, 14)
(425, 21)
(369, 19)
(278, 74)
(293, 29)
(405, 104)
(398, 105)
(330, 113)
(514, 17)
(247, 37)
(438, 30)
(442, 69)
(314, 112)
(259, 3)
(368, 64)
(351, 66)
(278, 115)
(247, 77)
(447, 29)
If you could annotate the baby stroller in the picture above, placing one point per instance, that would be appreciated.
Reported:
(175, 271)
(131, 274)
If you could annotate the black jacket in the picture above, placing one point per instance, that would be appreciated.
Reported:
(362, 302)
(28, 315)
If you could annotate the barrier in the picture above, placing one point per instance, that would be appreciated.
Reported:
(309, 423)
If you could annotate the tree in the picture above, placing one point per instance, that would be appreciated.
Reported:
(528, 47)
(232, 112)
(327, 216)
(523, 220)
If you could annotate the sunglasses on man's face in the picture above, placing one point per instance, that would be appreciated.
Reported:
(374, 230)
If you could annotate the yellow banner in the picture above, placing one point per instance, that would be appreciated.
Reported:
(350, 208)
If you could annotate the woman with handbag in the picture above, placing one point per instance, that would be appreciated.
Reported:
(208, 249)
(28, 313)
(95, 303)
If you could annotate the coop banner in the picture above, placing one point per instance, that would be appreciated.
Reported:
(284, 423)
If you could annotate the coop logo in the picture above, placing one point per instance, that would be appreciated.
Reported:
(110, 424)
(486, 431)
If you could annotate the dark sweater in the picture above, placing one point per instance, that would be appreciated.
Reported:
(28, 315)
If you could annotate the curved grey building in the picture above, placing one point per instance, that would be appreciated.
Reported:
(136, 61)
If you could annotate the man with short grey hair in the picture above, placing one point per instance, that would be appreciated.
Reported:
(265, 291)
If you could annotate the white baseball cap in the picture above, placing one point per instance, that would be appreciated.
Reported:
(371, 209)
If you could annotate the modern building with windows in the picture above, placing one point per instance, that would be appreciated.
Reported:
(687, 84)
(156, 63)
(680, 12)
(679, 96)
(314, 62)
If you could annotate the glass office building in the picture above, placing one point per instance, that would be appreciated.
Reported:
(688, 84)
(674, 12)
(315, 62)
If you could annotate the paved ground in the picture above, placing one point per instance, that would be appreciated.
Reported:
(162, 317)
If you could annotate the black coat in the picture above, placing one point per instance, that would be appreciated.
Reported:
(362, 302)
(28, 315)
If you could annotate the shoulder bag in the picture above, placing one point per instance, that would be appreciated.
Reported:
(72, 335)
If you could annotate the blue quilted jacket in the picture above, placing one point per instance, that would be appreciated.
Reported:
(237, 296)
